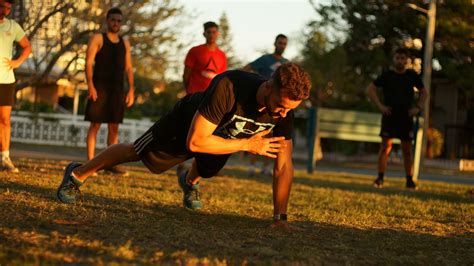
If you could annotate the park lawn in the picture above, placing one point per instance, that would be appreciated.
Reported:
(139, 220)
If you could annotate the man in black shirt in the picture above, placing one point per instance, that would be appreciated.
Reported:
(108, 61)
(397, 111)
(236, 113)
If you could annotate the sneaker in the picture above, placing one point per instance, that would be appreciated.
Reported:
(378, 183)
(191, 198)
(69, 187)
(411, 184)
(116, 170)
(8, 166)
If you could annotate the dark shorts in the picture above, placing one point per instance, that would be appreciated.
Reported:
(158, 160)
(7, 94)
(397, 126)
(108, 108)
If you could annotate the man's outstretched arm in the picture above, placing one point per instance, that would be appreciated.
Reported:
(282, 180)
(201, 139)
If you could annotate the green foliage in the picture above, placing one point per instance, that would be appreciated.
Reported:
(372, 30)
(155, 104)
(34, 107)
(225, 43)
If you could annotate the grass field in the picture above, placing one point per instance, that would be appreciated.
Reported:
(139, 220)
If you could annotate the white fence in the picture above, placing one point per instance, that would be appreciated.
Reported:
(68, 130)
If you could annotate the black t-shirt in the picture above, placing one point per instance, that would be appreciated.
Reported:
(230, 103)
(397, 88)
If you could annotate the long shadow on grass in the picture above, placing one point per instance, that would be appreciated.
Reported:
(355, 187)
(133, 232)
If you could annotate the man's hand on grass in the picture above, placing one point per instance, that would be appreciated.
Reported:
(279, 225)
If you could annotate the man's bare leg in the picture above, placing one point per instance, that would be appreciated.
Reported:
(190, 186)
(193, 176)
(113, 136)
(408, 163)
(5, 127)
(91, 139)
(385, 148)
(113, 155)
(5, 131)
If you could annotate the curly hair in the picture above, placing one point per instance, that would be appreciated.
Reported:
(292, 81)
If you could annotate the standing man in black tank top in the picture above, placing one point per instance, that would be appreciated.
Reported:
(108, 60)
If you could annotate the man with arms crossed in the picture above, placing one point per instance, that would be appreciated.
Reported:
(108, 59)
(397, 110)
(204, 62)
(10, 32)
(235, 114)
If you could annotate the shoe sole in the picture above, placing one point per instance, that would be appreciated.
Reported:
(67, 171)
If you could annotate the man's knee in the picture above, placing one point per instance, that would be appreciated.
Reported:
(94, 127)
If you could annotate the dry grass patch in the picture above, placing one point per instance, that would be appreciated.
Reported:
(139, 220)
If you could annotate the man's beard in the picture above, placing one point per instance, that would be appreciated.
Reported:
(267, 107)
(111, 29)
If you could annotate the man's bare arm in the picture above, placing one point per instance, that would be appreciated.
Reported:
(201, 139)
(282, 178)
(372, 93)
(25, 52)
(129, 70)
(93, 47)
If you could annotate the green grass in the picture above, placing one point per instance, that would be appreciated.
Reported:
(139, 220)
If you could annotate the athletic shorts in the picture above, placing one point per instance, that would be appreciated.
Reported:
(397, 126)
(108, 108)
(7, 94)
(158, 155)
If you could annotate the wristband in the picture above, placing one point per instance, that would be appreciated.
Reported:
(280, 217)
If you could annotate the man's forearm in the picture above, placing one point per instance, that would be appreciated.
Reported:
(217, 145)
(422, 99)
(131, 82)
(282, 180)
(373, 97)
(24, 54)
(89, 75)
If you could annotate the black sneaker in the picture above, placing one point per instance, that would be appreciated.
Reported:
(411, 184)
(68, 190)
(191, 197)
(378, 183)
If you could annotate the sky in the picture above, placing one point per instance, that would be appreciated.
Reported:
(253, 24)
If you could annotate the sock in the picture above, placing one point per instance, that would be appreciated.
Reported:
(409, 178)
(5, 155)
(380, 176)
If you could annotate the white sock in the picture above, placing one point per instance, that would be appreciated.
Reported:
(5, 155)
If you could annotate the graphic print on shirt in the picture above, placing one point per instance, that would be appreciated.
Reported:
(210, 69)
(241, 127)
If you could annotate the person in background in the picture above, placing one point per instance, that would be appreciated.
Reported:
(10, 33)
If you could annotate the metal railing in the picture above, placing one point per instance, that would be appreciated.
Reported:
(68, 130)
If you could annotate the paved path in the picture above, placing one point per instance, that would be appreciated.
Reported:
(79, 154)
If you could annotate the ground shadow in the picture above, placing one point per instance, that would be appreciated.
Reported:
(354, 187)
(234, 238)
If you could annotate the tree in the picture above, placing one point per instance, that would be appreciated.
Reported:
(59, 31)
(225, 42)
(374, 28)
